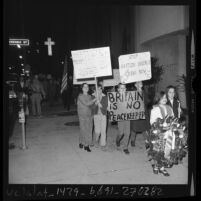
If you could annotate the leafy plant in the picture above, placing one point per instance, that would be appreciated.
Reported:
(181, 86)
(156, 71)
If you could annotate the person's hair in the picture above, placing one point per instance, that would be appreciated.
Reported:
(135, 88)
(99, 85)
(171, 87)
(83, 85)
(158, 96)
(121, 84)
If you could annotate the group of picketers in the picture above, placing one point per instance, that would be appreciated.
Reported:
(165, 134)
(39, 90)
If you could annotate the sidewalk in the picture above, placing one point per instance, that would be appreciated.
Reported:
(53, 156)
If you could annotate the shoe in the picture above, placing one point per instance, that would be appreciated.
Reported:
(96, 144)
(126, 151)
(81, 146)
(119, 148)
(118, 142)
(164, 172)
(87, 149)
(103, 148)
(132, 144)
(168, 165)
(147, 146)
(155, 169)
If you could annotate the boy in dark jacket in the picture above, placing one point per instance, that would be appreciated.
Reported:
(99, 111)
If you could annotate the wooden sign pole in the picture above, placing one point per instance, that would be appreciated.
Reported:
(96, 87)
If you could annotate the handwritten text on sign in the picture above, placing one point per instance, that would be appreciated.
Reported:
(135, 67)
(94, 62)
(126, 106)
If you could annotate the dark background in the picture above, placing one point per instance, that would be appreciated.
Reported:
(72, 26)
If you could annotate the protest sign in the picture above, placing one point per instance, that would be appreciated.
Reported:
(135, 67)
(112, 82)
(93, 62)
(125, 106)
(81, 81)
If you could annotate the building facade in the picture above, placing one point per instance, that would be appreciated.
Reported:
(164, 31)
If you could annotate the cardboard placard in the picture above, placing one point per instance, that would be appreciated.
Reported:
(126, 106)
(135, 67)
(81, 81)
(91, 63)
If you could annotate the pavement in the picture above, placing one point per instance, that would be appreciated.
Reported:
(54, 157)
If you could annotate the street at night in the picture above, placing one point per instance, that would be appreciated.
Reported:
(99, 94)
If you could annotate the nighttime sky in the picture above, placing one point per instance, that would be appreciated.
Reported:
(72, 27)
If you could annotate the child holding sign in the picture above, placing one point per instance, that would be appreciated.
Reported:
(99, 111)
(123, 127)
(85, 117)
(141, 125)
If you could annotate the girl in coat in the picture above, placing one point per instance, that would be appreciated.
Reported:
(172, 101)
(85, 117)
(160, 111)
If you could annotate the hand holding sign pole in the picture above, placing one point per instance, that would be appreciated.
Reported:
(96, 90)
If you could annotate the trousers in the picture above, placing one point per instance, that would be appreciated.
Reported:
(85, 135)
(124, 128)
(36, 103)
(100, 122)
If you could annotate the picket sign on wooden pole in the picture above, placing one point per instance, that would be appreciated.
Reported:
(96, 88)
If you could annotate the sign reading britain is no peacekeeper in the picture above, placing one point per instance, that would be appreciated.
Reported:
(125, 106)
(93, 62)
(135, 67)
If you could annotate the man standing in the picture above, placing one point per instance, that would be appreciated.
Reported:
(140, 125)
(36, 97)
(123, 127)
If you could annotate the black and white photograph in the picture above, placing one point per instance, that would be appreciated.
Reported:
(99, 94)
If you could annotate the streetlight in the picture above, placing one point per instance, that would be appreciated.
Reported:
(22, 64)
(20, 57)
